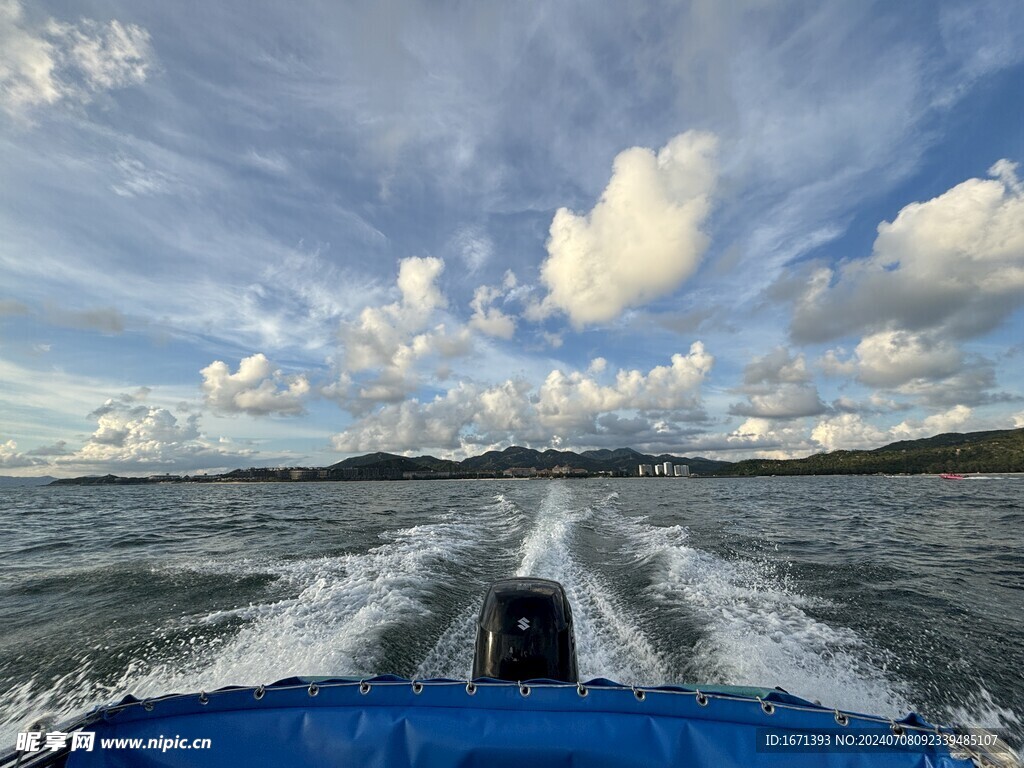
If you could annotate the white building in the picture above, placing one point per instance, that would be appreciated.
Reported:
(646, 470)
(682, 470)
(666, 469)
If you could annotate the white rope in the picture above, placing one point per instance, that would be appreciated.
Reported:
(641, 694)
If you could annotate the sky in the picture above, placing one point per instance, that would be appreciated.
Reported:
(269, 234)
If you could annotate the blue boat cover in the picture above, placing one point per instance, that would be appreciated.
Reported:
(389, 721)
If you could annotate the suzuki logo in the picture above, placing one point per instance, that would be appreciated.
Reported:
(523, 624)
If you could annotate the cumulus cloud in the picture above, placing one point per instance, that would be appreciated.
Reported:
(567, 408)
(765, 438)
(59, 448)
(43, 64)
(847, 431)
(938, 423)
(778, 386)
(641, 240)
(850, 431)
(572, 400)
(389, 340)
(934, 371)
(891, 358)
(257, 389)
(133, 436)
(381, 335)
(10, 457)
(488, 319)
(953, 265)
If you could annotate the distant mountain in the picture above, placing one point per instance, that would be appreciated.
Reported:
(381, 460)
(6, 481)
(101, 480)
(624, 459)
(992, 451)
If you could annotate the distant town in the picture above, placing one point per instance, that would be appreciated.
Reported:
(993, 451)
(308, 474)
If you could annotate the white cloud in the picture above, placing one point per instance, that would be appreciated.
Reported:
(488, 319)
(934, 371)
(10, 457)
(570, 408)
(381, 336)
(762, 437)
(45, 64)
(573, 400)
(108, 56)
(953, 265)
(778, 386)
(256, 389)
(641, 240)
(133, 436)
(891, 358)
(936, 424)
(847, 431)
(389, 341)
(474, 247)
(137, 180)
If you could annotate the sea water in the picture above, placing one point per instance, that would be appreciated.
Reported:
(875, 594)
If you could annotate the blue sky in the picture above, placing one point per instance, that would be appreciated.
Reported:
(261, 234)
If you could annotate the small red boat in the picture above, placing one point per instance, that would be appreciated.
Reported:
(951, 476)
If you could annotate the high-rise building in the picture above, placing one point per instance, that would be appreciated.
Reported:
(646, 470)
(682, 470)
(666, 469)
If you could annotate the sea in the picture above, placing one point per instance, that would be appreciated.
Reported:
(874, 594)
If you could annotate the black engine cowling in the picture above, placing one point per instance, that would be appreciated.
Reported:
(525, 632)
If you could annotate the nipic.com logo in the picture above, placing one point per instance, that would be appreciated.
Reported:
(54, 741)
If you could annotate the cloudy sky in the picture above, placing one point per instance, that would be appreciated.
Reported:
(262, 234)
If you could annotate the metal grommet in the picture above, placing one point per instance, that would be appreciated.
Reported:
(203, 698)
(417, 687)
(841, 718)
(313, 689)
(702, 700)
(471, 689)
(148, 706)
(259, 693)
(766, 706)
(364, 688)
(639, 694)
(524, 690)
(581, 690)
(896, 727)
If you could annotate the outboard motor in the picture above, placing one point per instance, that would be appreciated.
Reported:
(525, 632)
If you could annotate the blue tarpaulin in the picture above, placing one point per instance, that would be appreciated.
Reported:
(392, 722)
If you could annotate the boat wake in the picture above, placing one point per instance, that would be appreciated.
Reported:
(342, 608)
(609, 642)
(754, 630)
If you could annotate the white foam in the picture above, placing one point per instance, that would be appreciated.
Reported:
(452, 654)
(980, 710)
(756, 630)
(332, 626)
(609, 642)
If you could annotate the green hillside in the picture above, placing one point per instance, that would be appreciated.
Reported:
(993, 451)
